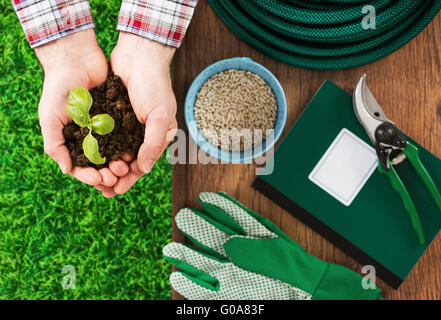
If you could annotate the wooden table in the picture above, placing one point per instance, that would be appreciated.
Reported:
(407, 84)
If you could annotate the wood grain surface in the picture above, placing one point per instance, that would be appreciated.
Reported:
(407, 85)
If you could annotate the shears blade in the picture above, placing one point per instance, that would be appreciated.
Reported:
(367, 109)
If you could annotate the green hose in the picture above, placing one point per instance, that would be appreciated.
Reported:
(325, 34)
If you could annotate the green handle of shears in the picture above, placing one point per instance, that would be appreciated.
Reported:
(399, 187)
(412, 154)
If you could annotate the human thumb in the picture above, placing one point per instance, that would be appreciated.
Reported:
(54, 142)
(156, 128)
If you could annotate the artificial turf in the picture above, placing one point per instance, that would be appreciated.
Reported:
(49, 220)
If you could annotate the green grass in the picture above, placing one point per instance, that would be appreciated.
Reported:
(48, 220)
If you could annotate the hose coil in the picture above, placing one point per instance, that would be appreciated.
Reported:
(326, 34)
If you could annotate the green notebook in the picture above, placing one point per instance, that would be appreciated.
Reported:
(374, 228)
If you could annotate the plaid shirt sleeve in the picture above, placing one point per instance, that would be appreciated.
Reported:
(47, 20)
(165, 21)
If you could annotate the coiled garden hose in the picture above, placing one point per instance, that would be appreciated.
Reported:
(325, 34)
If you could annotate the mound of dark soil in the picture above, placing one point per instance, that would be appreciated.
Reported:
(127, 136)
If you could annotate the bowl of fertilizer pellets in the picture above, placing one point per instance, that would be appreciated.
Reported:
(235, 110)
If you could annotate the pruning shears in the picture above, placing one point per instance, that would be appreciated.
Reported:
(392, 149)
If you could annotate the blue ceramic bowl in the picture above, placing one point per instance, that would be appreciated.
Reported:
(202, 142)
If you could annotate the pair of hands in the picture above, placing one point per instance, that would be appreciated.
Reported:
(144, 68)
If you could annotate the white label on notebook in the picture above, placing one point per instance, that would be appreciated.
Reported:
(345, 167)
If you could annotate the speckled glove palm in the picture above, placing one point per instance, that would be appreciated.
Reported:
(245, 256)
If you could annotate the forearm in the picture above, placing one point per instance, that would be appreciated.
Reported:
(135, 48)
(44, 20)
(163, 21)
(66, 52)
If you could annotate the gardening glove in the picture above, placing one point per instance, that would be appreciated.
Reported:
(245, 256)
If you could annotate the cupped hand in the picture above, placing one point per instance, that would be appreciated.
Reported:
(71, 62)
(144, 68)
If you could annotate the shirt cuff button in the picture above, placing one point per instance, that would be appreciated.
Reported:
(67, 23)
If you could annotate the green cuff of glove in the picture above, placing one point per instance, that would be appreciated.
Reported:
(340, 283)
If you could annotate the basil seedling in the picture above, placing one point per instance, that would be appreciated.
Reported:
(78, 108)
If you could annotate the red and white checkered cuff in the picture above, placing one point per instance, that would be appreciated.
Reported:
(165, 21)
(46, 20)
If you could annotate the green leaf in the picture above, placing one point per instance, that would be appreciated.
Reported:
(91, 149)
(77, 114)
(102, 123)
(81, 98)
